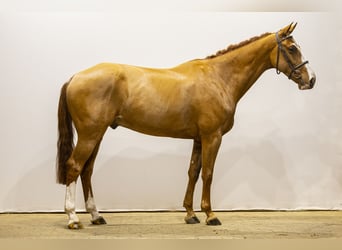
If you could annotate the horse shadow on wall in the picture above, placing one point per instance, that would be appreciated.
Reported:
(36, 190)
(158, 181)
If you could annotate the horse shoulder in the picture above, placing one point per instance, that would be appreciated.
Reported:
(214, 106)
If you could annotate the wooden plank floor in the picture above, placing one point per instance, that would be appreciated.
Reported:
(170, 225)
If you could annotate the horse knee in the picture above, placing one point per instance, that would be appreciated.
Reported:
(207, 177)
(194, 170)
(193, 174)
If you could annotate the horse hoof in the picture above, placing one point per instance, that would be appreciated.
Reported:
(75, 225)
(213, 222)
(192, 220)
(99, 221)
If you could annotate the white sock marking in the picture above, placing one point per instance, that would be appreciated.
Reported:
(70, 198)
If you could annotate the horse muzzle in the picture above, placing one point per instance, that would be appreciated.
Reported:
(309, 85)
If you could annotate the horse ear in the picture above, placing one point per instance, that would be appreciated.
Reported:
(287, 30)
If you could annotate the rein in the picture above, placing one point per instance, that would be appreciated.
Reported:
(294, 69)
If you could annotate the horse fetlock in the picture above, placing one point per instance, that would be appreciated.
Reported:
(206, 207)
(188, 205)
(69, 208)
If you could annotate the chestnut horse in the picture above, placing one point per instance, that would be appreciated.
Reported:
(195, 100)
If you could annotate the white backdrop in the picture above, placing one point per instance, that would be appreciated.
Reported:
(284, 152)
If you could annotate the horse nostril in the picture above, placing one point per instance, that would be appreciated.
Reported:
(312, 81)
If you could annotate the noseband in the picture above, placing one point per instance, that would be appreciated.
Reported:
(294, 69)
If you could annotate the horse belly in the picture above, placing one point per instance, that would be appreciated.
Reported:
(158, 121)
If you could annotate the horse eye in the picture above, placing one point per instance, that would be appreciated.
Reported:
(292, 49)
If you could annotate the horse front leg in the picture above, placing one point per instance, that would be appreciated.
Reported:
(194, 170)
(210, 147)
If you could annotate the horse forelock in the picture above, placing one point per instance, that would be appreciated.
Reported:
(237, 46)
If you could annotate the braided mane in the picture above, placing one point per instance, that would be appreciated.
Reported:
(236, 46)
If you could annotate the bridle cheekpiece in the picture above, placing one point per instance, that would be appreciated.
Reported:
(294, 69)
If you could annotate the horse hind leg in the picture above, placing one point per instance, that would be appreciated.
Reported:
(80, 155)
(86, 174)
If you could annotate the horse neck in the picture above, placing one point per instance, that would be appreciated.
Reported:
(241, 67)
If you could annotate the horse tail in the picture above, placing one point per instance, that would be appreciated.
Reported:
(65, 144)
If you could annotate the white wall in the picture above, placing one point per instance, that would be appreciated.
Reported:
(284, 152)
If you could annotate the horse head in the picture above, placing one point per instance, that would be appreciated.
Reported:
(287, 58)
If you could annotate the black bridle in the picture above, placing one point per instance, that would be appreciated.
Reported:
(294, 69)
